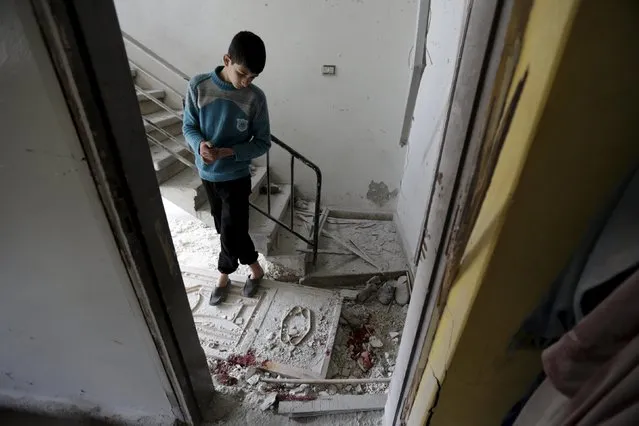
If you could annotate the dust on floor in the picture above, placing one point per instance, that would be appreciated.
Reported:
(366, 343)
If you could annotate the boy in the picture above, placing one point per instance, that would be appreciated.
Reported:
(226, 124)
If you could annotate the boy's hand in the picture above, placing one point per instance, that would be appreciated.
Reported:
(208, 152)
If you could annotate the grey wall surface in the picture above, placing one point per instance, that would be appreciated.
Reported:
(349, 124)
(72, 335)
(431, 108)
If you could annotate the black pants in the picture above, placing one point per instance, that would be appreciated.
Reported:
(230, 210)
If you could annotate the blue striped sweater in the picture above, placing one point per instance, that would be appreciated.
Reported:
(217, 112)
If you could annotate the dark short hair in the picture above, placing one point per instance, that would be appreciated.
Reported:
(248, 49)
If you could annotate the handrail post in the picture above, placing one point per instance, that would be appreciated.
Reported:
(268, 182)
(292, 202)
(316, 216)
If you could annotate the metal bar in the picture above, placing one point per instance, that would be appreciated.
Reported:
(292, 200)
(268, 183)
(316, 216)
(154, 55)
(158, 102)
(173, 153)
(148, 74)
(161, 130)
(285, 226)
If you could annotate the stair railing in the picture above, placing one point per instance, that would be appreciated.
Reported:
(313, 239)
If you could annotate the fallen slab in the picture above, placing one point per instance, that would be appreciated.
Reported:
(334, 405)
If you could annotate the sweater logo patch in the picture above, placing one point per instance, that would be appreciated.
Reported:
(242, 124)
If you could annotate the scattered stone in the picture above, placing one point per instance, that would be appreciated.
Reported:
(268, 401)
(402, 295)
(346, 371)
(375, 280)
(300, 389)
(359, 389)
(366, 293)
(365, 361)
(375, 342)
(263, 387)
(356, 374)
(239, 321)
(253, 380)
(348, 388)
(332, 390)
(386, 292)
(324, 394)
(356, 319)
(393, 334)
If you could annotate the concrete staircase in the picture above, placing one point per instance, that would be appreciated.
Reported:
(179, 183)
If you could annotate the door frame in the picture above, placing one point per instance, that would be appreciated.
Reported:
(477, 92)
(85, 44)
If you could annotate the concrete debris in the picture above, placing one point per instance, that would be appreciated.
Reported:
(386, 292)
(365, 361)
(359, 389)
(239, 321)
(268, 401)
(332, 390)
(253, 380)
(301, 389)
(366, 293)
(356, 319)
(393, 334)
(375, 342)
(402, 294)
(348, 388)
(375, 280)
(271, 336)
(323, 394)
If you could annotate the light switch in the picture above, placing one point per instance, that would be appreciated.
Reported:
(329, 69)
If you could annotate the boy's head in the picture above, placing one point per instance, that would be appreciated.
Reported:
(245, 60)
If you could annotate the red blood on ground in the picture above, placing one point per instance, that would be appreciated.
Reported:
(243, 360)
(221, 369)
(225, 379)
(366, 360)
(358, 338)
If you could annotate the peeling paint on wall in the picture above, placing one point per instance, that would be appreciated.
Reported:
(379, 193)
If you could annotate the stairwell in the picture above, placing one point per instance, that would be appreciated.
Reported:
(161, 110)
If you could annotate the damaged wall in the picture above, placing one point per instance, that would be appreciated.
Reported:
(72, 332)
(429, 118)
(539, 205)
(348, 124)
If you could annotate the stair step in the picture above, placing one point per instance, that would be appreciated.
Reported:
(185, 190)
(162, 158)
(161, 119)
(147, 106)
(262, 229)
(156, 93)
(165, 164)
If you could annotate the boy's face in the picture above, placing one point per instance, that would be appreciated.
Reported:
(239, 75)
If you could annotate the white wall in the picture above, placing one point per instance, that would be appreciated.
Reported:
(424, 142)
(348, 124)
(72, 335)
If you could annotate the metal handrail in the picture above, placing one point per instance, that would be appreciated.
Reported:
(155, 56)
(158, 102)
(156, 79)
